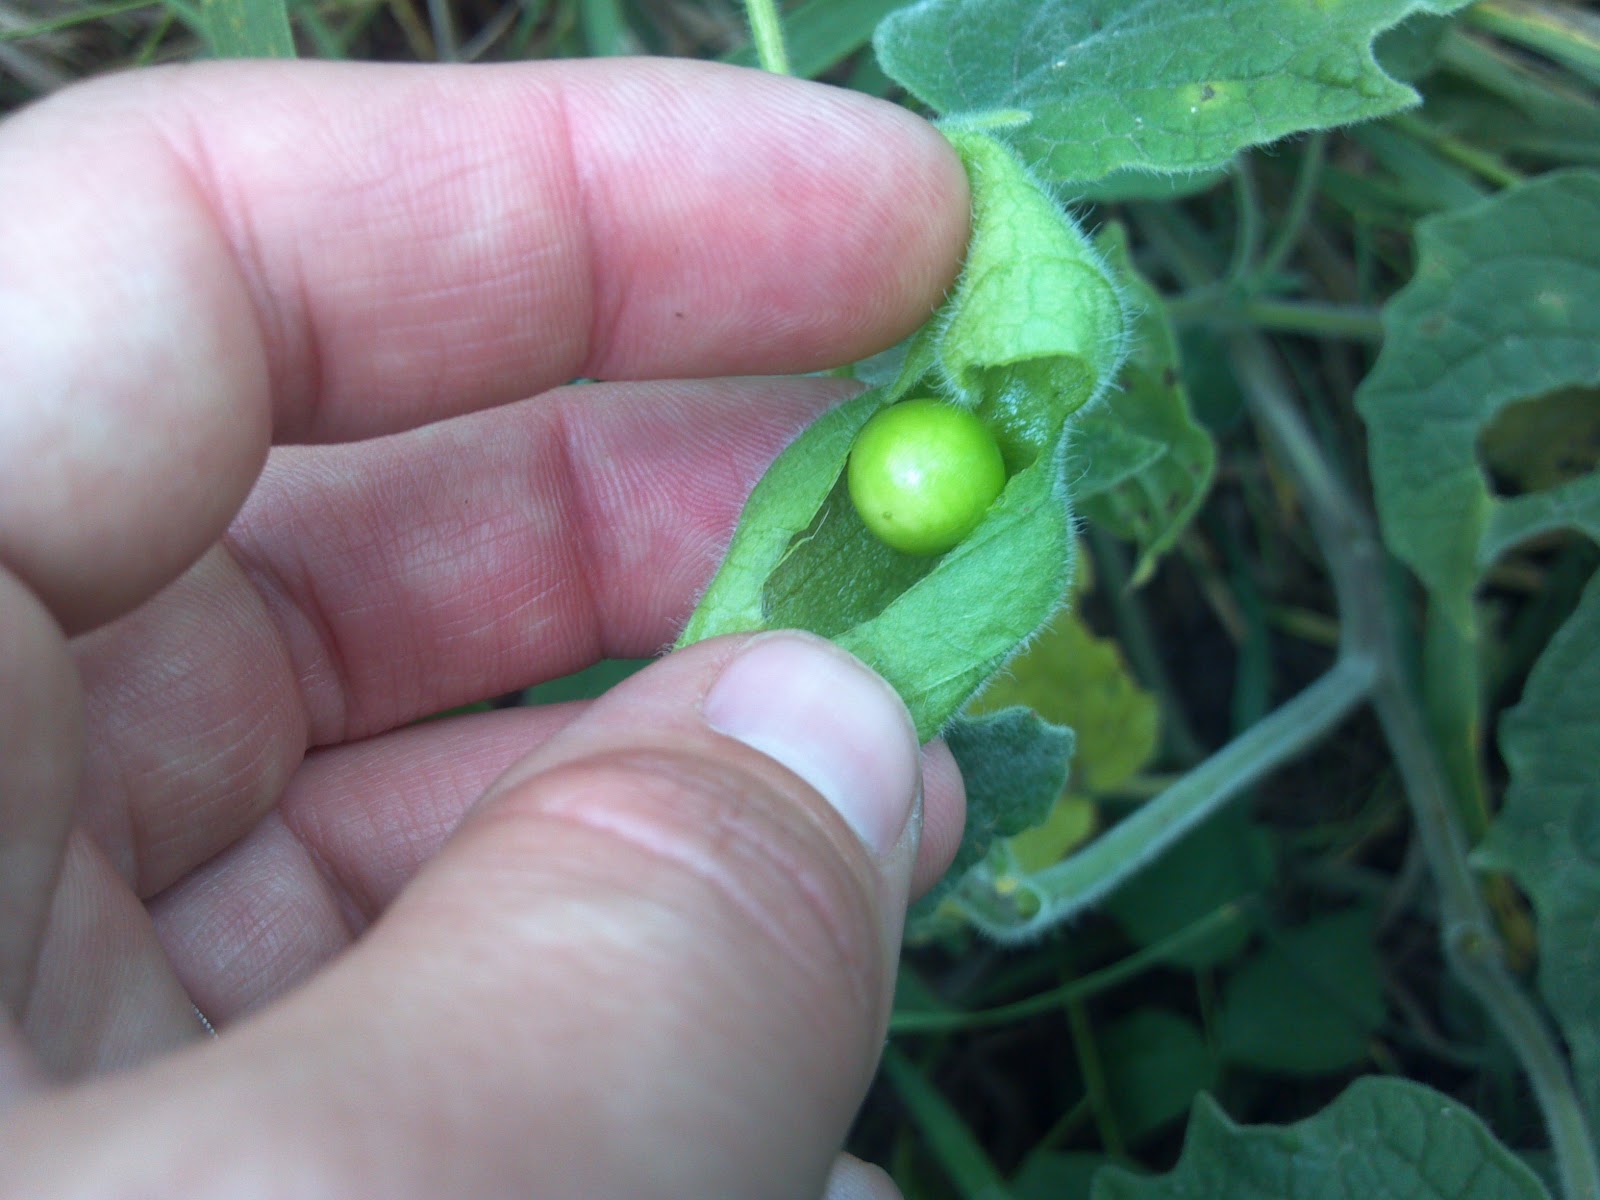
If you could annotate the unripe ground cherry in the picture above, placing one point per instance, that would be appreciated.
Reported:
(922, 474)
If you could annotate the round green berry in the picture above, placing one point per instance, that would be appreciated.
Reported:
(922, 474)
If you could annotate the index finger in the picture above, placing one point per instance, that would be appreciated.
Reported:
(197, 260)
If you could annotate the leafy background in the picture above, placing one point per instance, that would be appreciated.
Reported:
(1316, 911)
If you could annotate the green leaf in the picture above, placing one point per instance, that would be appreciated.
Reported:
(248, 28)
(1073, 678)
(1382, 1139)
(1156, 1063)
(1309, 1001)
(1548, 833)
(1226, 858)
(1153, 502)
(1033, 331)
(1014, 765)
(1083, 88)
(1505, 305)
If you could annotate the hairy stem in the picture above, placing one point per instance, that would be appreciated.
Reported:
(1137, 840)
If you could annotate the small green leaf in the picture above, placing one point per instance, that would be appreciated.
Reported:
(1156, 1063)
(1548, 833)
(1505, 305)
(1033, 331)
(1152, 503)
(1083, 88)
(1309, 1001)
(1224, 859)
(1382, 1139)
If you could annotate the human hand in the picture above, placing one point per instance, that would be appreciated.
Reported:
(627, 949)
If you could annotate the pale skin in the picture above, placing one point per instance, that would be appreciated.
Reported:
(285, 466)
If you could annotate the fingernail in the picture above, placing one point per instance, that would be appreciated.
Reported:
(826, 717)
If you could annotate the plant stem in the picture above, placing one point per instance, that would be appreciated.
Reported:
(1471, 946)
(1158, 953)
(1133, 631)
(1247, 233)
(1567, 34)
(766, 30)
(1094, 1081)
(83, 15)
(1137, 840)
(1301, 199)
(1463, 154)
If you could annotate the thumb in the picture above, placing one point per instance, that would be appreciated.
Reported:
(656, 960)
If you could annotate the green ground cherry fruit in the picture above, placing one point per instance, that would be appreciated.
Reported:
(922, 473)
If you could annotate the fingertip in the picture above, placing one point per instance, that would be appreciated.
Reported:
(852, 1179)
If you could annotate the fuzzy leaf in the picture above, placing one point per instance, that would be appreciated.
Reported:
(1153, 503)
(1382, 1139)
(1548, 833)
(1015, 765)
(1505, 305)
(1033, 331)
(1083, 88)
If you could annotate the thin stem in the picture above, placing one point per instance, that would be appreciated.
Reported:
(1567, 34)
(1094, 1080)
(1298, 211)
(1463, 154)
(1247, 230)
(54, 24)
(1134, 632)
(442, 21)
(1158, 953)
(766, 30)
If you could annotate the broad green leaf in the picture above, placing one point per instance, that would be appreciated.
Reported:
(1033, 331)
(1156, 1063)
(1505, 305)
(1548, 833)
(248, 28)
(1083, 88)
(1224, 859)
(1073, 678)
(1309, 1001)
(1152, 503)
(1014, 765)
(1382, 1139)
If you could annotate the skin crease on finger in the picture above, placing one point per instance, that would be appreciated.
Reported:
(209, 231)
